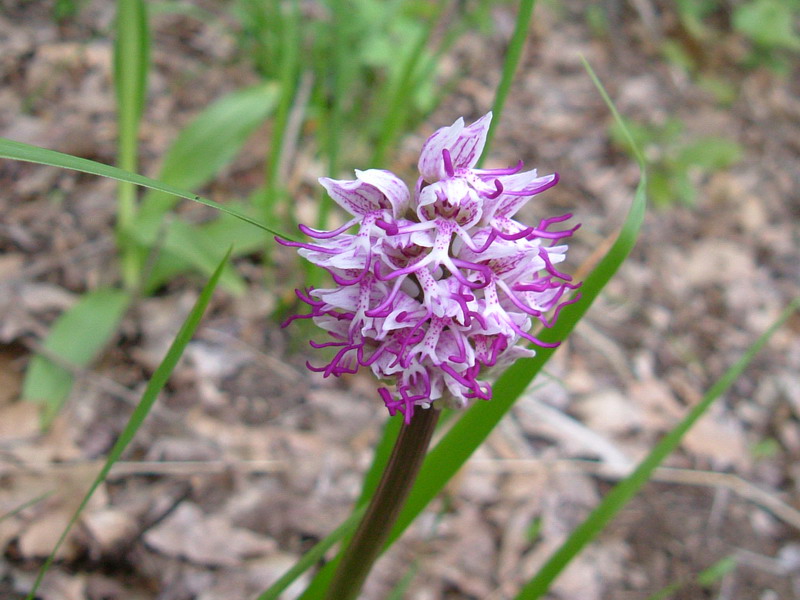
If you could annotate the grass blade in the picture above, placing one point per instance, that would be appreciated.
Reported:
(33, 154)
(154, 387)
(186, 244)
(212, 236)
(626, 489)
(210, 142)
(77, 337)
(314, 555)
(131, 63)
(18, 509)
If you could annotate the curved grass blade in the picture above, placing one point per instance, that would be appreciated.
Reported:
(18, 509)
(626, 489)
(475, 425)
(154, 387)
(33, 154)
(314, 555)
(705, 578)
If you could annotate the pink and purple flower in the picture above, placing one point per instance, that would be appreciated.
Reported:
(434, 290)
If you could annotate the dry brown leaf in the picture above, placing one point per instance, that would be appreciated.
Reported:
(610, 411)
(721, 439)
(18, 421)
(39, 538)
(209, 540)
(110, 528)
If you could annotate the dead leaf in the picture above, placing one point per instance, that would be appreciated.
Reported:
(209, 540)
(110, 528)
(18, 421)
(719, 438)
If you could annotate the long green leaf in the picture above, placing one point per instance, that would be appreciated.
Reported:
(212, 237)
(627, 488)
(131, 64)
(154, 387)
(77, 337)
(185, 243)
(33, 154)
(476, 424)
(211, 141)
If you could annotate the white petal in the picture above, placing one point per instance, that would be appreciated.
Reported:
(431, 164)
(392, 187)
(468, 148)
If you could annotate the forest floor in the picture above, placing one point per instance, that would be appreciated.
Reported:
(248, 458)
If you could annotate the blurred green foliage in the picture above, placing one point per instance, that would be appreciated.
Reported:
(372, 64)
(769, 26)
(676, 160)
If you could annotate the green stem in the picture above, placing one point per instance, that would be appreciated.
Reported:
(400, 474)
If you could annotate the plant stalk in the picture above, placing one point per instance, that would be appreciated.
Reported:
(395, 484)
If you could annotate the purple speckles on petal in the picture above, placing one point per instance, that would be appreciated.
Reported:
(440, 284)
(431, 164)
(469, 146)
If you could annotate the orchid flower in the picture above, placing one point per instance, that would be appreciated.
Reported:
(434, 290)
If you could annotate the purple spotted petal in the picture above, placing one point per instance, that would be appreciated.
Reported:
(390, 185)
(464, 146)
(431, 164)
(467, 149)
(361, 196)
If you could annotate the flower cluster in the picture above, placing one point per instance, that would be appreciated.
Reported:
(434, 289)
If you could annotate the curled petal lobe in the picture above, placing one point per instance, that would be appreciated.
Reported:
(453, 148)
(373, 191)
(431, 163)
(392, 187)
(468, 148)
